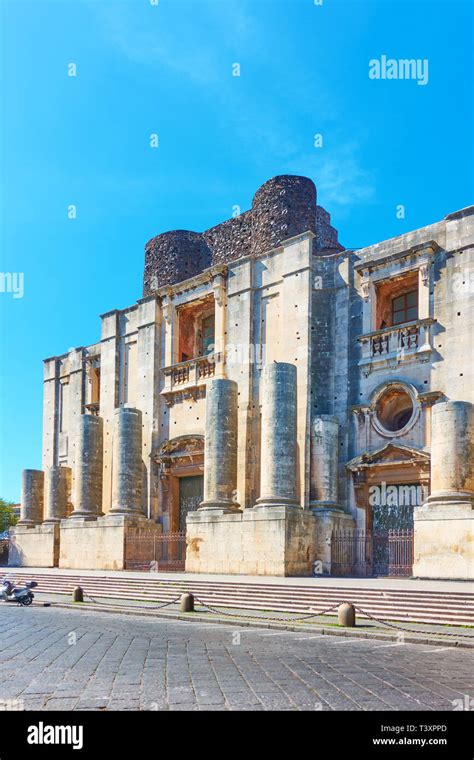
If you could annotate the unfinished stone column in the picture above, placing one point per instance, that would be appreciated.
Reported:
(57, 493)
(444, 524)
(88, 468)
(220, 446)
(324, 462)
(452, 452)
(278, 439)
(127, 462)
(32, 497)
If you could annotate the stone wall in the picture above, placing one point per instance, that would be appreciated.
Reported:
(278, 541)
(173, 257)
(34, 547)
(282, 208)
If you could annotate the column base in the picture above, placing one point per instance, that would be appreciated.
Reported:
(453, 498)
(126, 512)
(223, 507)
(328, 506)
(276, 502)
(85, 516)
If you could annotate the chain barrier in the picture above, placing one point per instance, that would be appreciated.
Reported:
(220, 611)
(262, 617)
(410, 630)
(137, 606)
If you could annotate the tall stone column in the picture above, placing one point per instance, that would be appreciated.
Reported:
(452, 452)
(32, 497)
(88, 468)
(278, 438)
(444, 524)
(127, 471)
(220, 446)
(324, 462)
(57, 492)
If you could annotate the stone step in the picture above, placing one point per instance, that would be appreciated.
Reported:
(388, 604)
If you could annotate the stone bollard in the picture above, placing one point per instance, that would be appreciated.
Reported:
(346, 615)
(186, 603)
(78, 594)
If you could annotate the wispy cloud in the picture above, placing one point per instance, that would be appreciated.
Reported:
(187, 43)
(340, 178)
(196, 46)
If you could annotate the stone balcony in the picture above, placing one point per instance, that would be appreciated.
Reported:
(391, 346)
(190, 375)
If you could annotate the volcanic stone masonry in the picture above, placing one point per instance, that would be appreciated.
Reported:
(283, 207)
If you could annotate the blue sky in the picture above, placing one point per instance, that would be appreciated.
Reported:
(167, 69)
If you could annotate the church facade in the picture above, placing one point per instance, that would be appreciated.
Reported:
(273, 397)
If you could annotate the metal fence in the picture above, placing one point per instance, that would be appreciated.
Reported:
(155, 552)
(357, 553)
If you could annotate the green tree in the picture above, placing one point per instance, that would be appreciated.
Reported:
(7, 515)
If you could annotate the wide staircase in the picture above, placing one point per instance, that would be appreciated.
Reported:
(400, 604)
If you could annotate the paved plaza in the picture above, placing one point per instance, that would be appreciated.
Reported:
(56, 659)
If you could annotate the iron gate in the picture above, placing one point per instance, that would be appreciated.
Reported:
(155, 552)
(355, 552)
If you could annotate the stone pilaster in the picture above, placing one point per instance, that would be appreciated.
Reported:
(57, 493)
(127, 472)
(278, 438)
(324, 462)
(32, 498)
(88, 468)
(220, 446)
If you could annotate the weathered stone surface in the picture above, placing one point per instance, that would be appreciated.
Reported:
(444, 525)
(174, 256)
(36, 546)
(32, 497)
(279, 288)
(279, 421)
(220, 446)
(99, 544)
(57, 493)
(127, 474)
(283, 207)
(324, 461)
(88, 469)
(452, 451)
(275, 540)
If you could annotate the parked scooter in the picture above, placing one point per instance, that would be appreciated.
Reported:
(22, 596)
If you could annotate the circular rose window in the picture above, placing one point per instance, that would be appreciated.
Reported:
(394, 409)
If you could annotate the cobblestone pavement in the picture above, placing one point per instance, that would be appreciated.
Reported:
(69, 660)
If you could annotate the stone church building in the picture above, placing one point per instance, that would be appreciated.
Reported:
(278, 400)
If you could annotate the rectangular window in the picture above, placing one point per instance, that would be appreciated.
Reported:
(63, 405)
(405, 308)
(208, 331)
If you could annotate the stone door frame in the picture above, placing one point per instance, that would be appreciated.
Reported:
(179, 457)
(392, 464)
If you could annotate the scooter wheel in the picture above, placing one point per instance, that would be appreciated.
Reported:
(26, 601)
